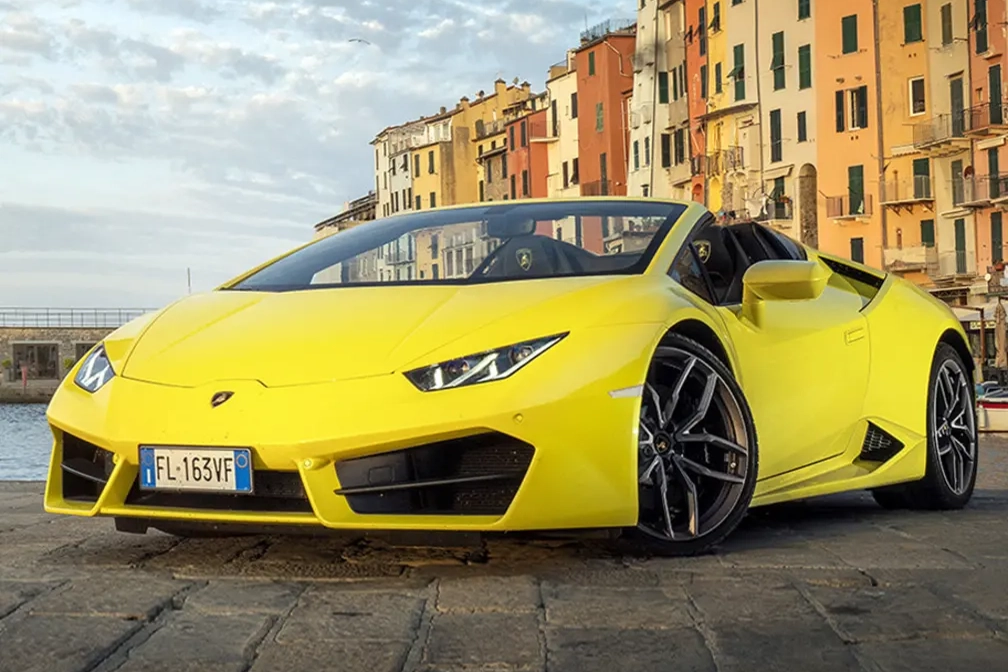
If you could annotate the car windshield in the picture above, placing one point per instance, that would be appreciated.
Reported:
(482, 243)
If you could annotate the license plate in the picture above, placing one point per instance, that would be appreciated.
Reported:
(206, 469)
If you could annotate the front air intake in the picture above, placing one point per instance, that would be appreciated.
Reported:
(879, 445)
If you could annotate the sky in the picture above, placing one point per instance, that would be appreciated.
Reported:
(142, 138)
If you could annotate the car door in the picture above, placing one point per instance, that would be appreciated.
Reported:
(804, 368)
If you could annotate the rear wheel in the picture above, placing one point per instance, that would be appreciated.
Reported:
(697, 451)
(953, 440)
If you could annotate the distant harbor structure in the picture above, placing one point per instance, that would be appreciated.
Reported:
(354, 212)
(38, 346)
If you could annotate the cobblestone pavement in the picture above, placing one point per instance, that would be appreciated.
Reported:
(831, 584)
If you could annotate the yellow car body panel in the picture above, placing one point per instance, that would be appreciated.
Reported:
(317, 378)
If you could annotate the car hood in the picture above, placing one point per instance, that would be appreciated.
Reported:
(317, 335)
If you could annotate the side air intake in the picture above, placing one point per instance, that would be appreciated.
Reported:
(879, 445)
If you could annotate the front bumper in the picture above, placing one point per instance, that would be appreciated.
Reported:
(549, 448)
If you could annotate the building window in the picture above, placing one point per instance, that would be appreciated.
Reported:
(777, 62)
(776, 150)
(855, 189)
(481, 192)
(857, 250)
(848, 27)
(997, 244)
(573, 105)
(804, 9)
(525, 183)
(857, 100)
(574, 169)
(591, 63)
(514, 190)
(599, 120)
(430, 162)
(805, 66)
(524, 133)
(840, 107)
(917, 102)
(433, 200)
(913, 29)
(41, 360)
(663, 87)
(647, 151)
(738, 71)
(703, 81)
(717, 78)
(980, 25)
(636, 154)
(802, 127)
(946, 24)
(666, 150)
(566, 175)
(511, 138)
(702, 29)
(679, 146)
(715, 22)
(416, 165)
(504, 172)
(927, 232)
(419, 205)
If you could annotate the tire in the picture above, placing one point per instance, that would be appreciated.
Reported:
(948, 443)
(716, 452)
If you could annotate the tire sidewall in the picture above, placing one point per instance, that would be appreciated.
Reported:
(934, 475)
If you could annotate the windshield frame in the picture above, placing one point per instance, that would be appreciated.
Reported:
(395, 226)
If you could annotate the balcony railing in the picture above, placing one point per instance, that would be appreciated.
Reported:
(598, 188)
(541, 129)
(919, 258)
(849, 206)
(942, 128)
(484, 129)
(776, 210)
(80, 318)
(979, 190)
(988, 116)
(953, 262)
(917, 188)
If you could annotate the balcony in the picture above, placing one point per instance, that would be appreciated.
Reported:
(776, 211)
(850, 206)
(918, 258)
(486, 129)
(943, 135)
(907, 192)
(954, 264)
(987, 119)
(721, 161)
(541, 131)
(979, 191)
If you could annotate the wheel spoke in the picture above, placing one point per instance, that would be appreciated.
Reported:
(656, 400)
(684, 463)
(666, 513)
(703, 406)
(673, 401)
(712, 440)
(691, 501)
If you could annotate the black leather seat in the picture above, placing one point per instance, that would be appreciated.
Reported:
(718, 253)
(531, 256)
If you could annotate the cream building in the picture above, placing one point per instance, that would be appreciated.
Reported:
(562, 155)
(677, 123)
(786, 90)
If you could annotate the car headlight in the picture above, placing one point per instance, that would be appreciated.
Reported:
(481, 367)
(95, 371)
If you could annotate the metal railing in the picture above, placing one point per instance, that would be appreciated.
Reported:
(917, 188)
(541, 129)
(979, 189)
(776, 210)
(917, 257)
(598, 188)
(941, 128)
(855, 205)
(985, 115)
(69, 318)
(484, 129)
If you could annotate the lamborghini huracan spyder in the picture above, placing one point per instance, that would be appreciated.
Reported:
(610, 363)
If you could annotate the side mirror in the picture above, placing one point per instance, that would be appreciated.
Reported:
(781, 281)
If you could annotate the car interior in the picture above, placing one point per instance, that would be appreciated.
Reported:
(728, 251)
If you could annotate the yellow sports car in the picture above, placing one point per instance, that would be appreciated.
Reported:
(610, 363)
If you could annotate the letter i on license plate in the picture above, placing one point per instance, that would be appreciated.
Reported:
(198, 469)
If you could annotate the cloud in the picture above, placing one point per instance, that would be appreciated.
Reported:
(214, 134)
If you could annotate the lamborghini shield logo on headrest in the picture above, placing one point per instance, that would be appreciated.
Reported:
(702, 249)
(524, 257)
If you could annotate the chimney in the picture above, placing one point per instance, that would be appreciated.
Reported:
(526, 87)
(464, 102)
(500, 87)
(443, 109)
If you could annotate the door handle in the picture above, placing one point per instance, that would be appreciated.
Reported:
(854, 335)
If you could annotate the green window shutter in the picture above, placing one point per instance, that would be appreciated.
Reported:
(776, 151)
(802, 127)
(703, 81)
(599, 119)
(841, 111)
(636, 154)
(777, 61)
(663, 87)
(804, 9)
(922, 178)
(946, 24)
(927, 232)
(855, 188)
(591, 62)
(980, 23)
(717, 78)
(850, 37)
(857, 250)
(805, 66)
(913, 29)
(739, 69)
(997, 241)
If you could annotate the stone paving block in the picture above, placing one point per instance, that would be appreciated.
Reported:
(781, 645)
(60, 643)
(897, 553)
(786, 553)
(133, 596)
(608, 649)
(484, 639)
(938, 655)
(732, 600)
(342, 656)
(111, 549)
(328, 613)
(576, 606)
(15, 593)
(202, 557)
(504, 593)
(866, 614)
(229, 596)
(17, 521)
(199, 641)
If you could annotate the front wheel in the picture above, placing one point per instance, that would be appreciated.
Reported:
(697, 450)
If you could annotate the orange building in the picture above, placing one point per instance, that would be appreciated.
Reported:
(848, 131)
(604, 72)
(696, 92)
(527, 156)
